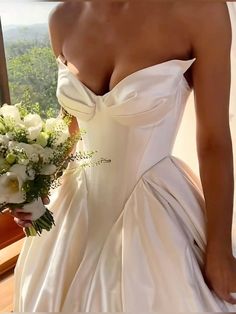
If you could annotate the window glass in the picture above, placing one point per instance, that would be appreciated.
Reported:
(32, 70)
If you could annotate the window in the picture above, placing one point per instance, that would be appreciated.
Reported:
(28, 71)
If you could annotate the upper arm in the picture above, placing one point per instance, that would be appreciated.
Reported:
(211, 43)
(56, 33)
(55, 24)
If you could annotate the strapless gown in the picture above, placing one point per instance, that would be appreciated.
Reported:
(130, 235)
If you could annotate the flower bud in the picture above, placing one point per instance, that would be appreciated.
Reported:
(11, 158)
(42, 139)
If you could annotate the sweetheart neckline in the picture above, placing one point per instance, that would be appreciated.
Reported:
(58, 59)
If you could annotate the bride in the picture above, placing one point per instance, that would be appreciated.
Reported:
(142, 233)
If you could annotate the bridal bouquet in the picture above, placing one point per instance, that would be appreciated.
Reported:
(33, 155)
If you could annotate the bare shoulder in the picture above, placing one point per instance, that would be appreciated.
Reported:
(202, 17)
(201, 10)
(60, 21)
(209, 26)
(64, 11)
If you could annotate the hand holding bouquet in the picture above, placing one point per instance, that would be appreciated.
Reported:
(33, 155)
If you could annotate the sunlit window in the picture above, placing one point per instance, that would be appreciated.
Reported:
(32, 70)
(28, 71)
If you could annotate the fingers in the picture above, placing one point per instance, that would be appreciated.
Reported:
(22, 223)
(230, 299)
(23, 219)
(6, 210)
(45, 200)
(226, 296)
(21, 215)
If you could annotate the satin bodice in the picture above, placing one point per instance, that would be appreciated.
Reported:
(139, 117)
(134, 125)
(129, 235)
(142, 98)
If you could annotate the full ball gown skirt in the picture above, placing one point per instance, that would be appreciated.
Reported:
(130, 234)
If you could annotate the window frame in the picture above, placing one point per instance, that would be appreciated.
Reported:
(4, 84)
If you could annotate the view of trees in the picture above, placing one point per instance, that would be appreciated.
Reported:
(32, 68)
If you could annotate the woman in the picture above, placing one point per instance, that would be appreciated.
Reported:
(140, 233)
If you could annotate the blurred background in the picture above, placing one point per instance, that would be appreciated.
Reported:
(32, 70)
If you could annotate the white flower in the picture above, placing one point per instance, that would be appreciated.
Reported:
(47, 154)
(38, 149)
(51, 124)
(48, 170)
(11, 144)
(11, 188)
(4, 140)
(20, 171)
(24, 162)
(60, 128)
(27, 148)
(10, 136)
(34, 157)
(30, 151)
(34, 124)
(10, 112)
(61, 138)
(31, 174)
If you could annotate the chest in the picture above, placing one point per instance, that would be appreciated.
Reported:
(102, 50)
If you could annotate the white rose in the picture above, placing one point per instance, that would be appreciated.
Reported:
(11, 112)
(48, 170)
(34, 124)
(11, 188)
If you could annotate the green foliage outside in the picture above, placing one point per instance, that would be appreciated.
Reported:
(32, 73)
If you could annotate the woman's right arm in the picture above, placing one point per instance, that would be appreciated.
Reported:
(57, 34)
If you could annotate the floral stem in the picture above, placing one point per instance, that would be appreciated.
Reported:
(44, 222)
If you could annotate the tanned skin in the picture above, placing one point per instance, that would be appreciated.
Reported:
(104, 41)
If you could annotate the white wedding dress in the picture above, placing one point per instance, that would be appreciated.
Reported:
(130, 234)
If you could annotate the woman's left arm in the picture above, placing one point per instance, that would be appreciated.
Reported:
(211, 43)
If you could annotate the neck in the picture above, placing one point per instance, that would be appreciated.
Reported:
(104, 7)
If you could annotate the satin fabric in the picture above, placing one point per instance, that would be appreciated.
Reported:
(130, 234)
